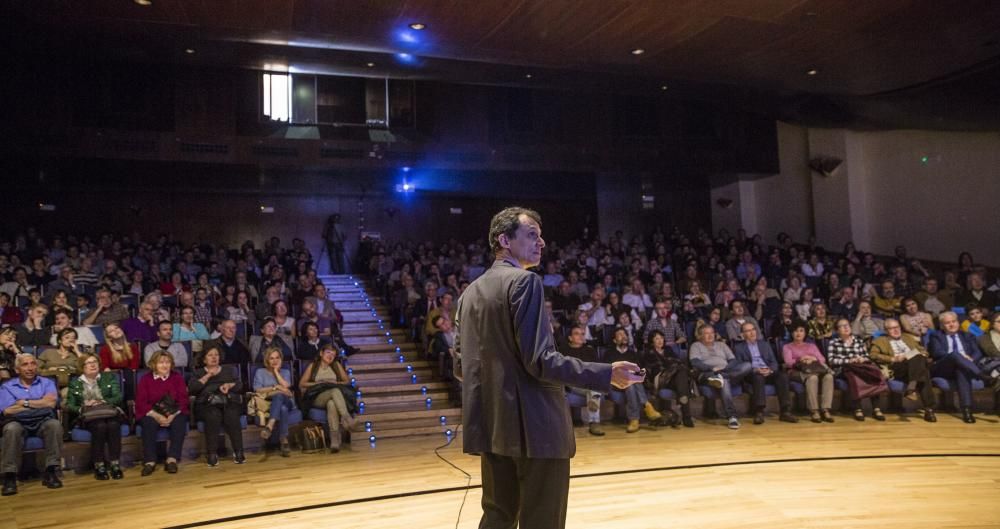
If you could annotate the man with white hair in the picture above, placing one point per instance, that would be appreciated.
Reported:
(29, 401)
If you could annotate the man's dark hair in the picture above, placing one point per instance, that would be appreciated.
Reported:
(507, 221)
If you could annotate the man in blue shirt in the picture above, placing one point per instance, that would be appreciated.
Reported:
(29, 402)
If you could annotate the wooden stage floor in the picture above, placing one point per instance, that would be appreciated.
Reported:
(902, 473)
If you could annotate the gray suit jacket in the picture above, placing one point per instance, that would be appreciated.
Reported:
(514, 395)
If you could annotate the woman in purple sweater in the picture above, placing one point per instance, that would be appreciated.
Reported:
(806, 364)
(162, 402)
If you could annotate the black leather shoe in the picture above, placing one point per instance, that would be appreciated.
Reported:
(171, 467)
(101, 473)
(239, 458)
(9, 484)
(213, 460)
(148, 469)
(51, 479)
(787, 417)
(967, 417)
(758, 418)
(929, 416)
(116, 471)
(687, 421)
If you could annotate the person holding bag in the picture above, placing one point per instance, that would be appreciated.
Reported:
(849, 355)
(95, 399)
(805, 364)
(62, 361)
(216, 392)
(326, 386)
(273, 399)
(162, 402)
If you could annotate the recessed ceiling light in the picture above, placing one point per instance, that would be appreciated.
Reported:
(638, 51)
(527, 76)
(418, 26)
(814, 71)
(370, 65)
(664, 87)
(144, 3)
(189, 51)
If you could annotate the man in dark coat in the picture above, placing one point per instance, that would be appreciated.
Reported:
(514, 398)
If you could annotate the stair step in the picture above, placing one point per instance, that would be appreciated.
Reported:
(387, 366)
(417, 398)
(386, 378)
(386, 347)
(409, 431)
(399, 388)
(414, 414)
(395, 334)
(402, 407)
(386, 357)
(372, 340)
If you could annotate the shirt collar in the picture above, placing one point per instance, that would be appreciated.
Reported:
(158, 377)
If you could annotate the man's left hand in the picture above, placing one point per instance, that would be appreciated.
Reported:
(624, 374)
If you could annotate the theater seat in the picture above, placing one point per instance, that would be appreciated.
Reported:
(946, 385)
(80, 435)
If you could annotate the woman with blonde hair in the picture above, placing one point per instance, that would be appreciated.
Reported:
(273, 384)
(117, 352)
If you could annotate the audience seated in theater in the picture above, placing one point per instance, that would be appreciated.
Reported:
(231, 347)
(764, 370)
(976, 293)
(444, 308)
(63, 319)
(845, 304)
(576, 347)
(901, 356)
(264, 309)
(803, 308)
(310, 341)
(719, 368)
(864, 325)
(932, 300)
(844, 352)
(805, 364)
(284, 323)
(33, 333)
(763, 303)
(17, 286)
(141, 328)
(162, 402)
(117, 352)
(975, 323)
(914, 321)
(636, 399)
(217, 402)
(29, 401)
(61, 361)
(613, 307)
(739, 316)
(8, 352)
(105, 311)
(956, 355)
(666, 369)
(92, 393)
(564, 299)
(273, 384)
(637, 298)
(820, 325)
(442, 346)
(311, 315)
(267, 339)
(887, 303)
(325, 386)
(781, 327)
(188, 330)
(67, 283)
(155, 300)
(665, 322)
(164, 342)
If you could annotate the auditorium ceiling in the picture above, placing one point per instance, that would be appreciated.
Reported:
(837, 50)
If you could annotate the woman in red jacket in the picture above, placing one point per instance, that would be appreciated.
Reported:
(162, 402)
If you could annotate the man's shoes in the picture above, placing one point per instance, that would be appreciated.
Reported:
(116, 471)
(51, 478)
(633, 426)
(758, 418)
(286, 450)
(716, 381)
(827, 416)
(967, 416)
(734, 423)
(687, 421)
(148, 469)
(239, 457)
(334, 449)
(170, 467)
(9, 484)
(595, 429)
(213, 460)
(101, 472)
(651, 412)
(787, 417)
(815, 417)
(929, 415)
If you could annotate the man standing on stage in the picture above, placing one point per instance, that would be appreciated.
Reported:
(515, 413)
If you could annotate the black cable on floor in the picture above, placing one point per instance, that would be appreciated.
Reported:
(468, 477)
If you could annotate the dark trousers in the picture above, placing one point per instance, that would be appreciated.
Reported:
(780, 380)
(917, 376)
(178, 429)
(105, 433)
(963, 370)
(216, 419)
(528, 493)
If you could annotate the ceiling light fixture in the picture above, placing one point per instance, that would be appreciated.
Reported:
(370, 65)
(664, 87)
(189, 51)
(527, 76)
(638, 51)
(418, 26)
(143, 3)
(814, 71)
